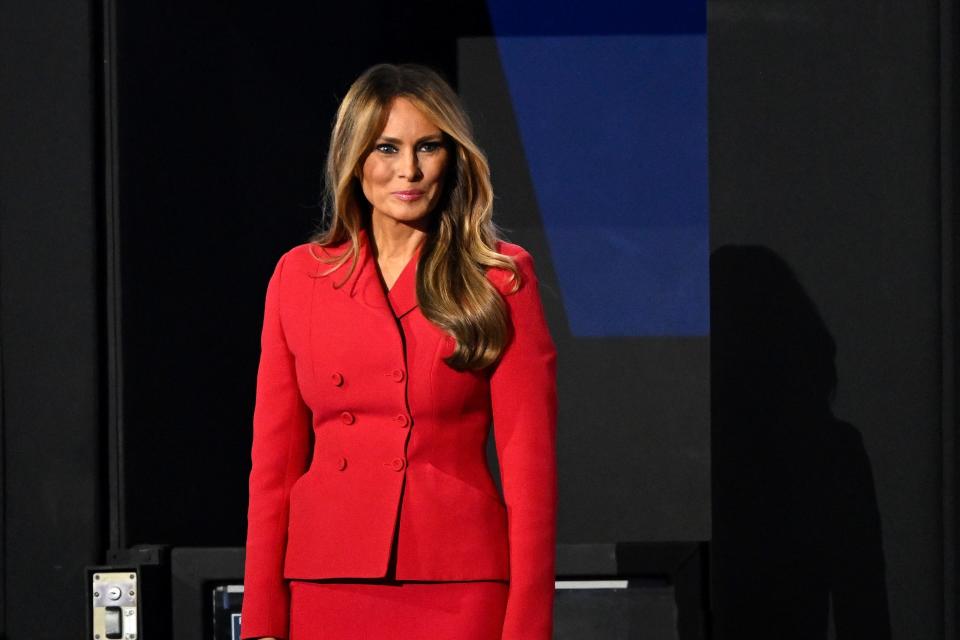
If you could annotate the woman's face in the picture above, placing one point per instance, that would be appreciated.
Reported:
(403, 174)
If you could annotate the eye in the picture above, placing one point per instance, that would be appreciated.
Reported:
(385, 147)
(431, 146)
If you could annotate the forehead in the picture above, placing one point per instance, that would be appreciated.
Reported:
(405, 118)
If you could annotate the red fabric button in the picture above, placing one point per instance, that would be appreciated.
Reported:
(403, 420)
(397, 375)
(337, 378)
(341, 463)
(397, 464)
(347, 417)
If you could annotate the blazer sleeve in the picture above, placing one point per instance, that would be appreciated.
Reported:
(281, 426)
(524, 407)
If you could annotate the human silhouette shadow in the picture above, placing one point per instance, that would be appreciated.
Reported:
(796, 528)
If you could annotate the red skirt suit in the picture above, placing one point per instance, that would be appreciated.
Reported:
(372, 512)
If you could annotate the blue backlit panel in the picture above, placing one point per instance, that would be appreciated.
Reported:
(614, 129)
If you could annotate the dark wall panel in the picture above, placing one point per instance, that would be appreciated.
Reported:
(52, 464)
(824, 151)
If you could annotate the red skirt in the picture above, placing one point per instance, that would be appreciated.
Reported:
(397, 610)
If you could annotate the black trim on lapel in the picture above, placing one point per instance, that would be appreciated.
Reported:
(365, 284)
(403, 294)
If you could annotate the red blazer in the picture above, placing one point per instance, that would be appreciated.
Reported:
(357, 418)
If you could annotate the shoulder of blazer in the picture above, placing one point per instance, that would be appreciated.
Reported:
(304, 258)
(521, 257)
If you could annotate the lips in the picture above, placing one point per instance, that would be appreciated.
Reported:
(409, 195)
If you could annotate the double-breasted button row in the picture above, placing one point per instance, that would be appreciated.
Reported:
(397, 375)
(397, 464)
(401, 419)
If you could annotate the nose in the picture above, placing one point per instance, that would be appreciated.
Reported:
(410, 165)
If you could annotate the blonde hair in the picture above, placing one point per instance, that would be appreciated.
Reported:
(452, 288)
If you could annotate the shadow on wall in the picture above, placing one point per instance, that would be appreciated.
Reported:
(796, 524)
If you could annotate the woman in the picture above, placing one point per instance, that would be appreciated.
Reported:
(390, 342)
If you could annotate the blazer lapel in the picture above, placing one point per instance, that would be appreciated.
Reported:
(365, 284)
(403, 294)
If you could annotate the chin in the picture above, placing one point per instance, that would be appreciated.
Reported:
(410, 215)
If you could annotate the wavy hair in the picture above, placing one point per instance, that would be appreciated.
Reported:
(452, 288)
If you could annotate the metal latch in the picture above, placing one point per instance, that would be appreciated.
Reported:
(114, 605)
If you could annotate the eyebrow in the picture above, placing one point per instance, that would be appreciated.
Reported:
(434, 136)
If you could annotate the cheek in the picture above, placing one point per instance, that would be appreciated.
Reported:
(375, 175)
(438, 170)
